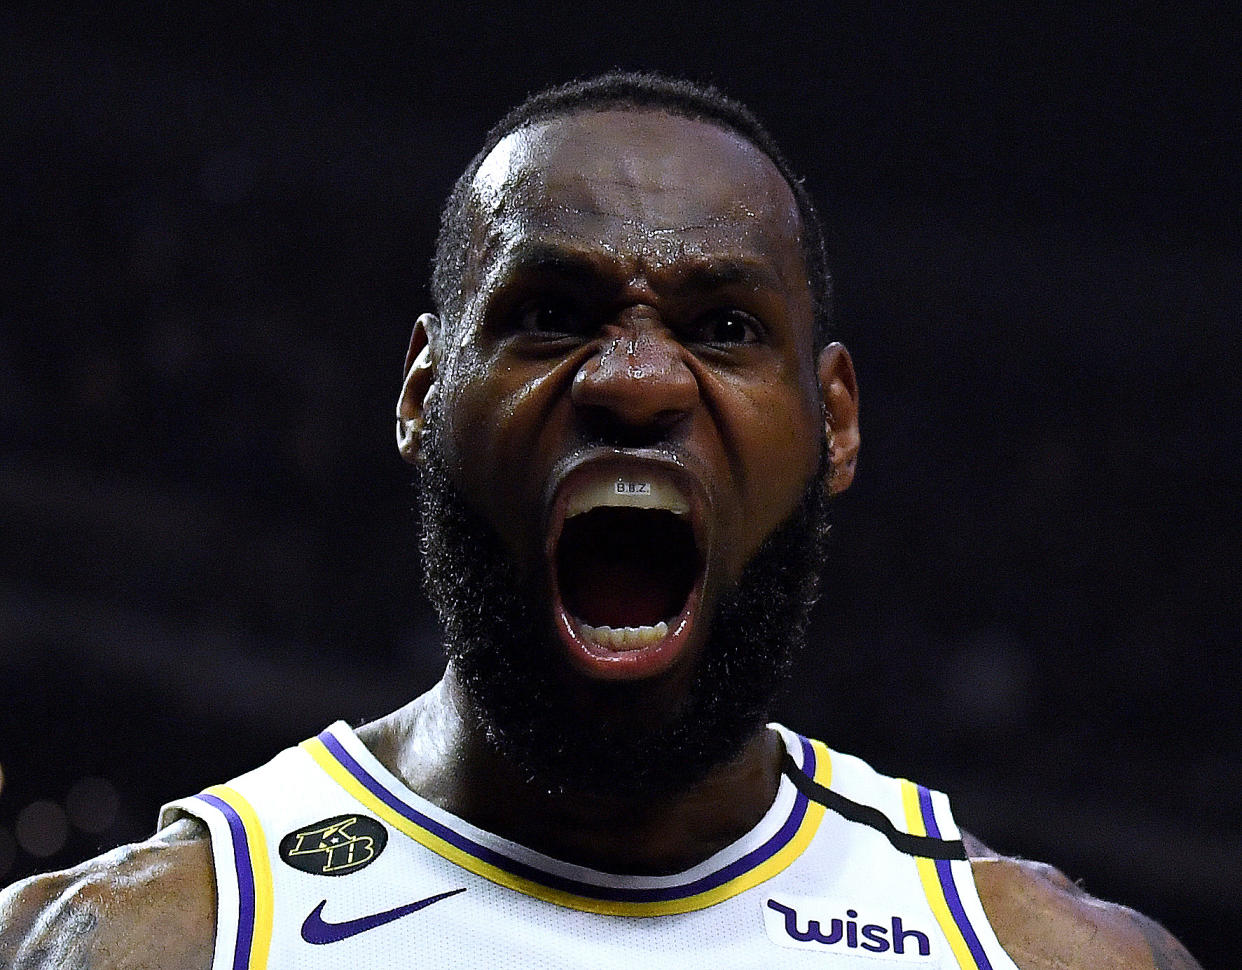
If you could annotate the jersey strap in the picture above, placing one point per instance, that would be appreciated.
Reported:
(251, 870)
(949, 887)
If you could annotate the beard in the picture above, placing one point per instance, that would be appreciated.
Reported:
(500, 639)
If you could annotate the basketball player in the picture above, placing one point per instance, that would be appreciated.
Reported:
(627, 417)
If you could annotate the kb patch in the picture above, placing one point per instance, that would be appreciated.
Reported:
(336, 846)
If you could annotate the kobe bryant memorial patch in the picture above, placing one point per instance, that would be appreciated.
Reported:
(335, 846)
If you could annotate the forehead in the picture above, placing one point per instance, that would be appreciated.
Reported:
(641, 184)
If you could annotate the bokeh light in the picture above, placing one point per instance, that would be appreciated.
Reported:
(42, 829)
(92, 804)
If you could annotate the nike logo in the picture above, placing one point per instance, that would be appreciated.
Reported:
(315, 929)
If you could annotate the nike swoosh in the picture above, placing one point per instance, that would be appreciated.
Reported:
(315, 929)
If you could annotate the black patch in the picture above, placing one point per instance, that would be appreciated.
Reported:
(336, 846)
(923, 846)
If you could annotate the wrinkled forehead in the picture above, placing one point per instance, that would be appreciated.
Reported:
(643, 180)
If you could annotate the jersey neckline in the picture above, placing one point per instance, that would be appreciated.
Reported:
(779, 837)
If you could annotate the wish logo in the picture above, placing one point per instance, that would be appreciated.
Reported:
(819, 924)
(335, 846)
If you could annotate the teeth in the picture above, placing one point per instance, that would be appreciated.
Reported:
(628, 492)
(625, 637)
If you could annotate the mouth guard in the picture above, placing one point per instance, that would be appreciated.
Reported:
(638, 492)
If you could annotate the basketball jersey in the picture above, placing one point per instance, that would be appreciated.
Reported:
(324, 860)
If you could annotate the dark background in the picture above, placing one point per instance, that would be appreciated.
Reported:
(214, 237)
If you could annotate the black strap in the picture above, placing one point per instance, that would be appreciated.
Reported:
(923, 846)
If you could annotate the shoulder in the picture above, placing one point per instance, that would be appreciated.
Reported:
(1045, 921)
(148, 906)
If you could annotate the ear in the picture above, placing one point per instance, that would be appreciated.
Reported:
(420, 378)
(840, 390)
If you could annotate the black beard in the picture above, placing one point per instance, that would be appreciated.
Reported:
(497, 636)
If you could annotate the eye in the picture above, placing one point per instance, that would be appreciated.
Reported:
(546, 315)
(727, 326)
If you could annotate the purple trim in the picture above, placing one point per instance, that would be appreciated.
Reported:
(245, 880)
(944, 871)
(522, 870)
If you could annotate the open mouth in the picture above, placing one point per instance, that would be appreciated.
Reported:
(627, 566)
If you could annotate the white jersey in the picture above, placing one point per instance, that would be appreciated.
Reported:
(324, 860)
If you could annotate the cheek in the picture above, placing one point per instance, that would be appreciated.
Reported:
(501, 420)
(779, 448)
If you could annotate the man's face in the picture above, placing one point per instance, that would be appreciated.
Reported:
(629, 402)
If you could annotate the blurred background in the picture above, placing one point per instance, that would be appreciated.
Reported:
(215, 231)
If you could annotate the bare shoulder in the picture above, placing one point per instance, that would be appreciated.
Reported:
(148, 906)
(1045, 921)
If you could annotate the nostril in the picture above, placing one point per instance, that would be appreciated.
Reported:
(605, 427)
(635, 400)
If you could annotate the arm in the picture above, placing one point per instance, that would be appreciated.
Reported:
(1046, 922)
(149, 906)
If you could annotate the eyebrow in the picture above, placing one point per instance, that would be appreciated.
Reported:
(715, 273)
(701, 274)
(536, 256)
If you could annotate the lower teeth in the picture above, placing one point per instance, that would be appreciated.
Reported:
(625, 637)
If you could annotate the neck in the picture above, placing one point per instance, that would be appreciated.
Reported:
(439, 751)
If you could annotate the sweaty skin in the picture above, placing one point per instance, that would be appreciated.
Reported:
(635, 277)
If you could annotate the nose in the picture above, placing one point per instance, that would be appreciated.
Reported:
(639, 381)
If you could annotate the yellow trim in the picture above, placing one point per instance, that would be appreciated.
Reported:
(738, 884)
(823, 763)
(931, 882)
(261, 942)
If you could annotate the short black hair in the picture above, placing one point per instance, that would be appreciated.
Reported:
(638, 91)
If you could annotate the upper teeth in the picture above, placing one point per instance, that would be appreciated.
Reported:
(636, 492)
